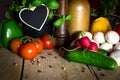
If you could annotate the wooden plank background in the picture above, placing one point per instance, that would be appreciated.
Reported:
(49, 65)
(10, 65)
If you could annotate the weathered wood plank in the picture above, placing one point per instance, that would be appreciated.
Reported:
(50, 66)
(10, 65)
(102, 74)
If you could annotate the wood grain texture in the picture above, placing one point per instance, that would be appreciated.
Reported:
(102, 74)
(50, 66)
(10, 65)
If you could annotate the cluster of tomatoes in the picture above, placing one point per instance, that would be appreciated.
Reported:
(28, 47)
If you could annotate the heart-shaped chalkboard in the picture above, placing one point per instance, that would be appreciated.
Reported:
(35, 17)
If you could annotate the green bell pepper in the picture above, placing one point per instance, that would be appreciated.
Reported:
(10, 29)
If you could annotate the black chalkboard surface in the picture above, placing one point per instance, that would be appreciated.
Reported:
(36, 21)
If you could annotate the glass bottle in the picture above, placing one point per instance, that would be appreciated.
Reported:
(80, 10)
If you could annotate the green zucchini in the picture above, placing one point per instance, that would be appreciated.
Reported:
(91, 58)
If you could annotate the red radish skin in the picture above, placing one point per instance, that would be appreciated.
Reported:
(85, 42)
(77, 43)
(93, 46)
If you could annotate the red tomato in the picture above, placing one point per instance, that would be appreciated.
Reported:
(39, 45)
(48, 41)
(28, 51)
(14, 45)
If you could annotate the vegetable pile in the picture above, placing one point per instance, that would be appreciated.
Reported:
(8, 29)
(28, 47)
(12, 36)
(100, 46)
(95, 49)
(85, 42)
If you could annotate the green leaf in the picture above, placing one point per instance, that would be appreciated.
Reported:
(24, 2)
(50, 16)
(58, 22)
(68, 17)
(36, 2)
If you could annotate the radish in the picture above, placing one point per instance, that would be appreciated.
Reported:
(85, 42)
(77, 43)
(88, 34)
(92, 40)
(93, 46)
(112, 37)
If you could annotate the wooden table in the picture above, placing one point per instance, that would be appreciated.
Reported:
(49, 65)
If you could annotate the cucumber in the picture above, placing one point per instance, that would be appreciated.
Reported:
(102, 51)
(91, 58)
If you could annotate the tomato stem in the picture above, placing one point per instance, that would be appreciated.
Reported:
(27, 39)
